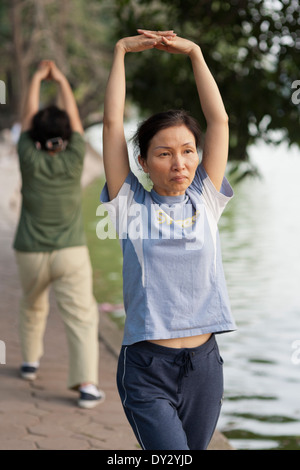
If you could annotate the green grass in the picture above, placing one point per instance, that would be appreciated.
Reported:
(106, 255)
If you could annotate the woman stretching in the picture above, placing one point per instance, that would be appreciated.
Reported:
(170, 376)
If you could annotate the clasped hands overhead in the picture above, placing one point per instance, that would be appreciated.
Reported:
(162, 40)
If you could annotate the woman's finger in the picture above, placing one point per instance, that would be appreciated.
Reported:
(138, 43)
(157, 33)
(158, 37)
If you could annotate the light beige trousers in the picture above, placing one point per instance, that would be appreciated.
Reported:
(69, 272)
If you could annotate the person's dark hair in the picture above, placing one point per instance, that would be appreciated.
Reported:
(48, 123)
(148, 128)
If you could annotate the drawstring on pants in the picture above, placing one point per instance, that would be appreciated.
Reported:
(184, 361)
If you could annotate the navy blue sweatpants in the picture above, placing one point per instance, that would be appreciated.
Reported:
(172, 397)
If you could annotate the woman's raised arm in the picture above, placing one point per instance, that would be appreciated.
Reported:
(32, 100)
(215, 151)
(115, 154)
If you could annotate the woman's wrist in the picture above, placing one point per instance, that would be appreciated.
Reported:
(38, 76)
(195, 52)
(120, 47)
(61, 80)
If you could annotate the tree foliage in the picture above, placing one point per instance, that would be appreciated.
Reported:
(252, 48)
(74, 33)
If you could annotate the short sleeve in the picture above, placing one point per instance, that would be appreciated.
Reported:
(130, 187)
(118, 208)
(215, 200)
(27, 150)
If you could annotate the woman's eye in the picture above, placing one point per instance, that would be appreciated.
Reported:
(164, 154)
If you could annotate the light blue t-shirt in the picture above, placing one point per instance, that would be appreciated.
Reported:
(173, 279)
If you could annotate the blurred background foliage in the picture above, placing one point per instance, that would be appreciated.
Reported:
(76, 34)
(251, 46)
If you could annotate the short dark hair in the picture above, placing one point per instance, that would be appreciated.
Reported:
(159, 121)
(48, 123)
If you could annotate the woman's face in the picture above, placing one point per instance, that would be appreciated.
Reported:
(172, 160)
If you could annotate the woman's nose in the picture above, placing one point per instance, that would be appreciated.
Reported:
(178, 162)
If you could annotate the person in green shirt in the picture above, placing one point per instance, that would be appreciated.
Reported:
(50, 243)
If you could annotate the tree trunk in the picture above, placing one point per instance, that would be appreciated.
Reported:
(19, 69)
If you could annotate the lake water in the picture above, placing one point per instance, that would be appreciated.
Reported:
(260, 236)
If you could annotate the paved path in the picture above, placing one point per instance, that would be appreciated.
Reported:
(44, 414)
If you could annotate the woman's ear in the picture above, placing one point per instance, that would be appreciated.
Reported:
(143, 164)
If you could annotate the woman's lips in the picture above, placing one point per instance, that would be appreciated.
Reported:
(179, 179)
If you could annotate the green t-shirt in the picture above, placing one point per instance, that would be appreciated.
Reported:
(51, 212)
